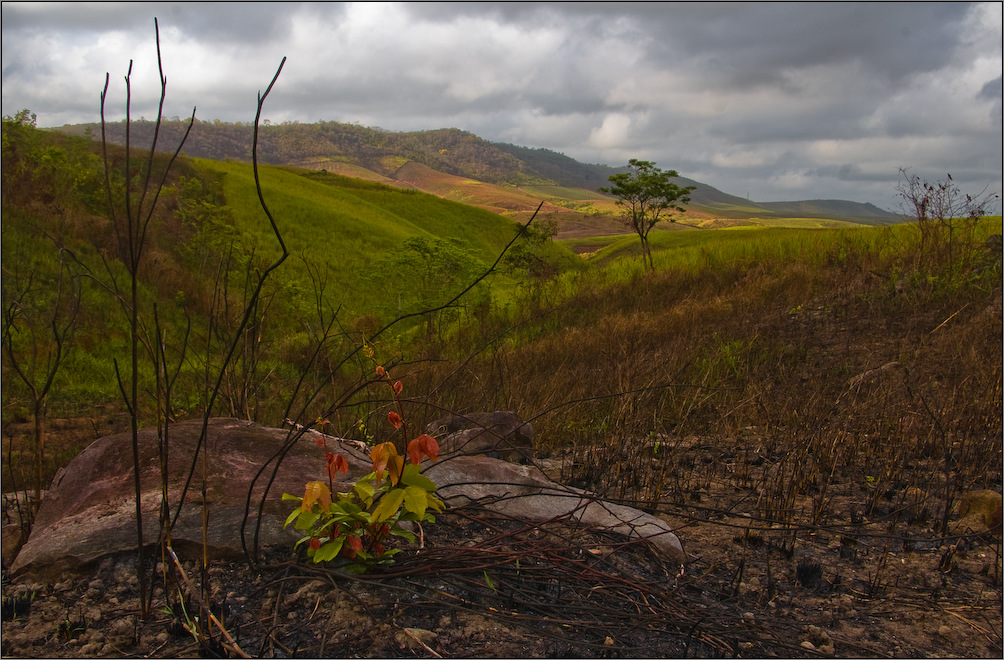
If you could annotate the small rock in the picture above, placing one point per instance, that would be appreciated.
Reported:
(91, 650)
(414, 638)
(808, 646)
(124, 630)
(748, 617)
(944, 631)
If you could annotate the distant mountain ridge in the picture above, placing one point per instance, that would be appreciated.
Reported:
(380, 154)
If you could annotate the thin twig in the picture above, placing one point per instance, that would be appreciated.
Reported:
(202, 604)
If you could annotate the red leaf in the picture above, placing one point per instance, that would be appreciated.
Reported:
(423, 445)
(315, 544)
(394, 419)
(398, 386)
(431, 448)
(414, 452)
(336, 463)
(355, 542)
(380, 371)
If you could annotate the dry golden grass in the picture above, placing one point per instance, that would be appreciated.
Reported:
(844, 367)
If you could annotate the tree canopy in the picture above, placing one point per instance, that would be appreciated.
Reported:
(648, 196)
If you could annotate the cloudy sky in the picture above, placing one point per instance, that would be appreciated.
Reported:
(782, 101)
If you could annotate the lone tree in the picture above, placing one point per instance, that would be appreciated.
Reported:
(648, 196)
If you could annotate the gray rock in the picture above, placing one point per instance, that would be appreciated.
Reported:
(499, 434)
(90, 511)
(524, 492)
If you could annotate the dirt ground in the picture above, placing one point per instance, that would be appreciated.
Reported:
(870, 586)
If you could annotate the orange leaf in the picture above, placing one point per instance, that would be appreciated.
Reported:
(394, 419)
(355, 542)
(315, 544)
(380, 371)
(395, 465)
(398, 386)
(380, 455)
(316, 492)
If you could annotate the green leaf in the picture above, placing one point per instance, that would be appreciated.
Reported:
(365, 490)
(412, 477)
(389, 505)
(307, 519)
(329, 550)
(292, 516)
(416, 500)
(286, 497)
(403, 533)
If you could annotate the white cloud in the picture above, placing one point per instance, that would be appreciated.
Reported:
(612, 133)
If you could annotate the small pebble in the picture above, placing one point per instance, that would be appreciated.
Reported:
(944, 631)
(808, 646)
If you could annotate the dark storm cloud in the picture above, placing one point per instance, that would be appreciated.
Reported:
(226, 22)
(792, 100)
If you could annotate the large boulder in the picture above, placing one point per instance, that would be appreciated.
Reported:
(500, 434)
(524, 492)
(90, 509)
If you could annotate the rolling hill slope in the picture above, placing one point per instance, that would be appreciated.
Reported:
(502, 178)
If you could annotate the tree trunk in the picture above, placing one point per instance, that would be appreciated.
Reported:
(646, 253)
(39, 450)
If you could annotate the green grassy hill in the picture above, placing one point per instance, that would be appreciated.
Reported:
(511, 178)
(368, 250)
